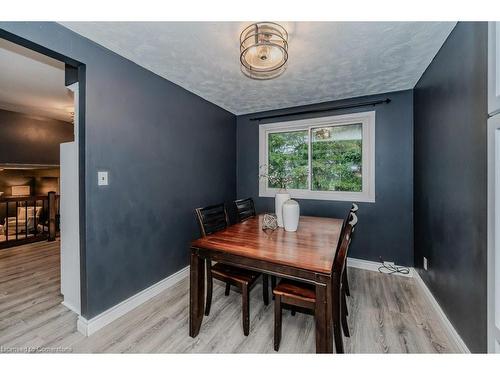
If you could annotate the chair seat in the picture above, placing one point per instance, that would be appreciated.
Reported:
(296, 289)
(240, 275)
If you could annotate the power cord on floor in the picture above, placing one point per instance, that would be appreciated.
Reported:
(391, 269)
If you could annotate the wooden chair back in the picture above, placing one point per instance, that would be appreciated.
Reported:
(339, 263)
(212, 219)
(354, 208)
(245, 209)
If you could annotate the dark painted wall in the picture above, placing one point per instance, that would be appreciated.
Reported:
(386, 226)
(167, 151)
(31, 140)
(450, 179)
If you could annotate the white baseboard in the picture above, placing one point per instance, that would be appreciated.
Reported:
(452, 332)
(449, 327)
(372, 266)
(88, 327)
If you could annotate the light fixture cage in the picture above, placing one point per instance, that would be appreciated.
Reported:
(263, 50)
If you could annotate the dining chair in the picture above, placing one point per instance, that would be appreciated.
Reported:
(245, 209)
(303, 295)
(345, 292)
(354, 208)
(345, 280)
(213, 219)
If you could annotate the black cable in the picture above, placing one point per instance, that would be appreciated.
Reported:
(390, 269)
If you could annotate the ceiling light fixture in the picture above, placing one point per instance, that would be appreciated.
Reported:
(263, 50)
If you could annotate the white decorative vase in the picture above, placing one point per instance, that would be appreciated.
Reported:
(291, 214)
(281, 197)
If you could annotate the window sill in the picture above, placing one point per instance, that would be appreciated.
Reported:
(323, 195)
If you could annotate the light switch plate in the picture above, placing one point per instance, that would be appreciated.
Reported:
(102, 178)
(425, 263)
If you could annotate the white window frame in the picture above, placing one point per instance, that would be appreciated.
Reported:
(367, 119)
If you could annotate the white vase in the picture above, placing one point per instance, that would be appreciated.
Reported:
(291, 214)
(281, 197)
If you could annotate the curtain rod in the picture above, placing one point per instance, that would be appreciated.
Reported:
(345, 106)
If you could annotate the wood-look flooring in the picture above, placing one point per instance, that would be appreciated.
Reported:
(387, 314)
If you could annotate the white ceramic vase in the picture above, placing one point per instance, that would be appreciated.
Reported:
(291, 214)
(281, 197)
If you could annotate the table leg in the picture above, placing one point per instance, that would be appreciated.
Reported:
(323, 318)
(196, 293)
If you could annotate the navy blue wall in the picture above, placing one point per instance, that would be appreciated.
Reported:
(31, 140)
(167, 151)
(386, 226)
(450, 179)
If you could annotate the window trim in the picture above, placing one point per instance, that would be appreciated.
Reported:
(367, 119)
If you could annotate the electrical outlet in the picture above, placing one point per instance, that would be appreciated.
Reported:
(425, 263)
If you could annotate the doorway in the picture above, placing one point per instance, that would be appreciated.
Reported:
(66, 251)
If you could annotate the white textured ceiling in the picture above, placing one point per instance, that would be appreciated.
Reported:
(327, 60)
(33, 83)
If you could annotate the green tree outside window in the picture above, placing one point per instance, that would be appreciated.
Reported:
(336, 159)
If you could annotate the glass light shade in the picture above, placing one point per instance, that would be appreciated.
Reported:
(263, 50)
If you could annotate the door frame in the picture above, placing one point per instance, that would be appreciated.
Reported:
(75, 71)
(493, 228)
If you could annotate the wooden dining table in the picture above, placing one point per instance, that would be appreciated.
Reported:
(306, 255)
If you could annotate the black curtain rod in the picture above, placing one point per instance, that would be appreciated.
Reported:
(345, 106)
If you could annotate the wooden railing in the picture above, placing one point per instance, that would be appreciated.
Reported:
(28, 219)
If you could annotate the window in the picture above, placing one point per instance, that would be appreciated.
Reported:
(331, 158)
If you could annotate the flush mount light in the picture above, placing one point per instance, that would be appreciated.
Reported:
(263, 50)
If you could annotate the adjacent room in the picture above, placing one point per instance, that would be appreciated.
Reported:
(249, 187)
(36, 128)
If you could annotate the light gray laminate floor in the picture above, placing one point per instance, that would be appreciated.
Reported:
(387, 314)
